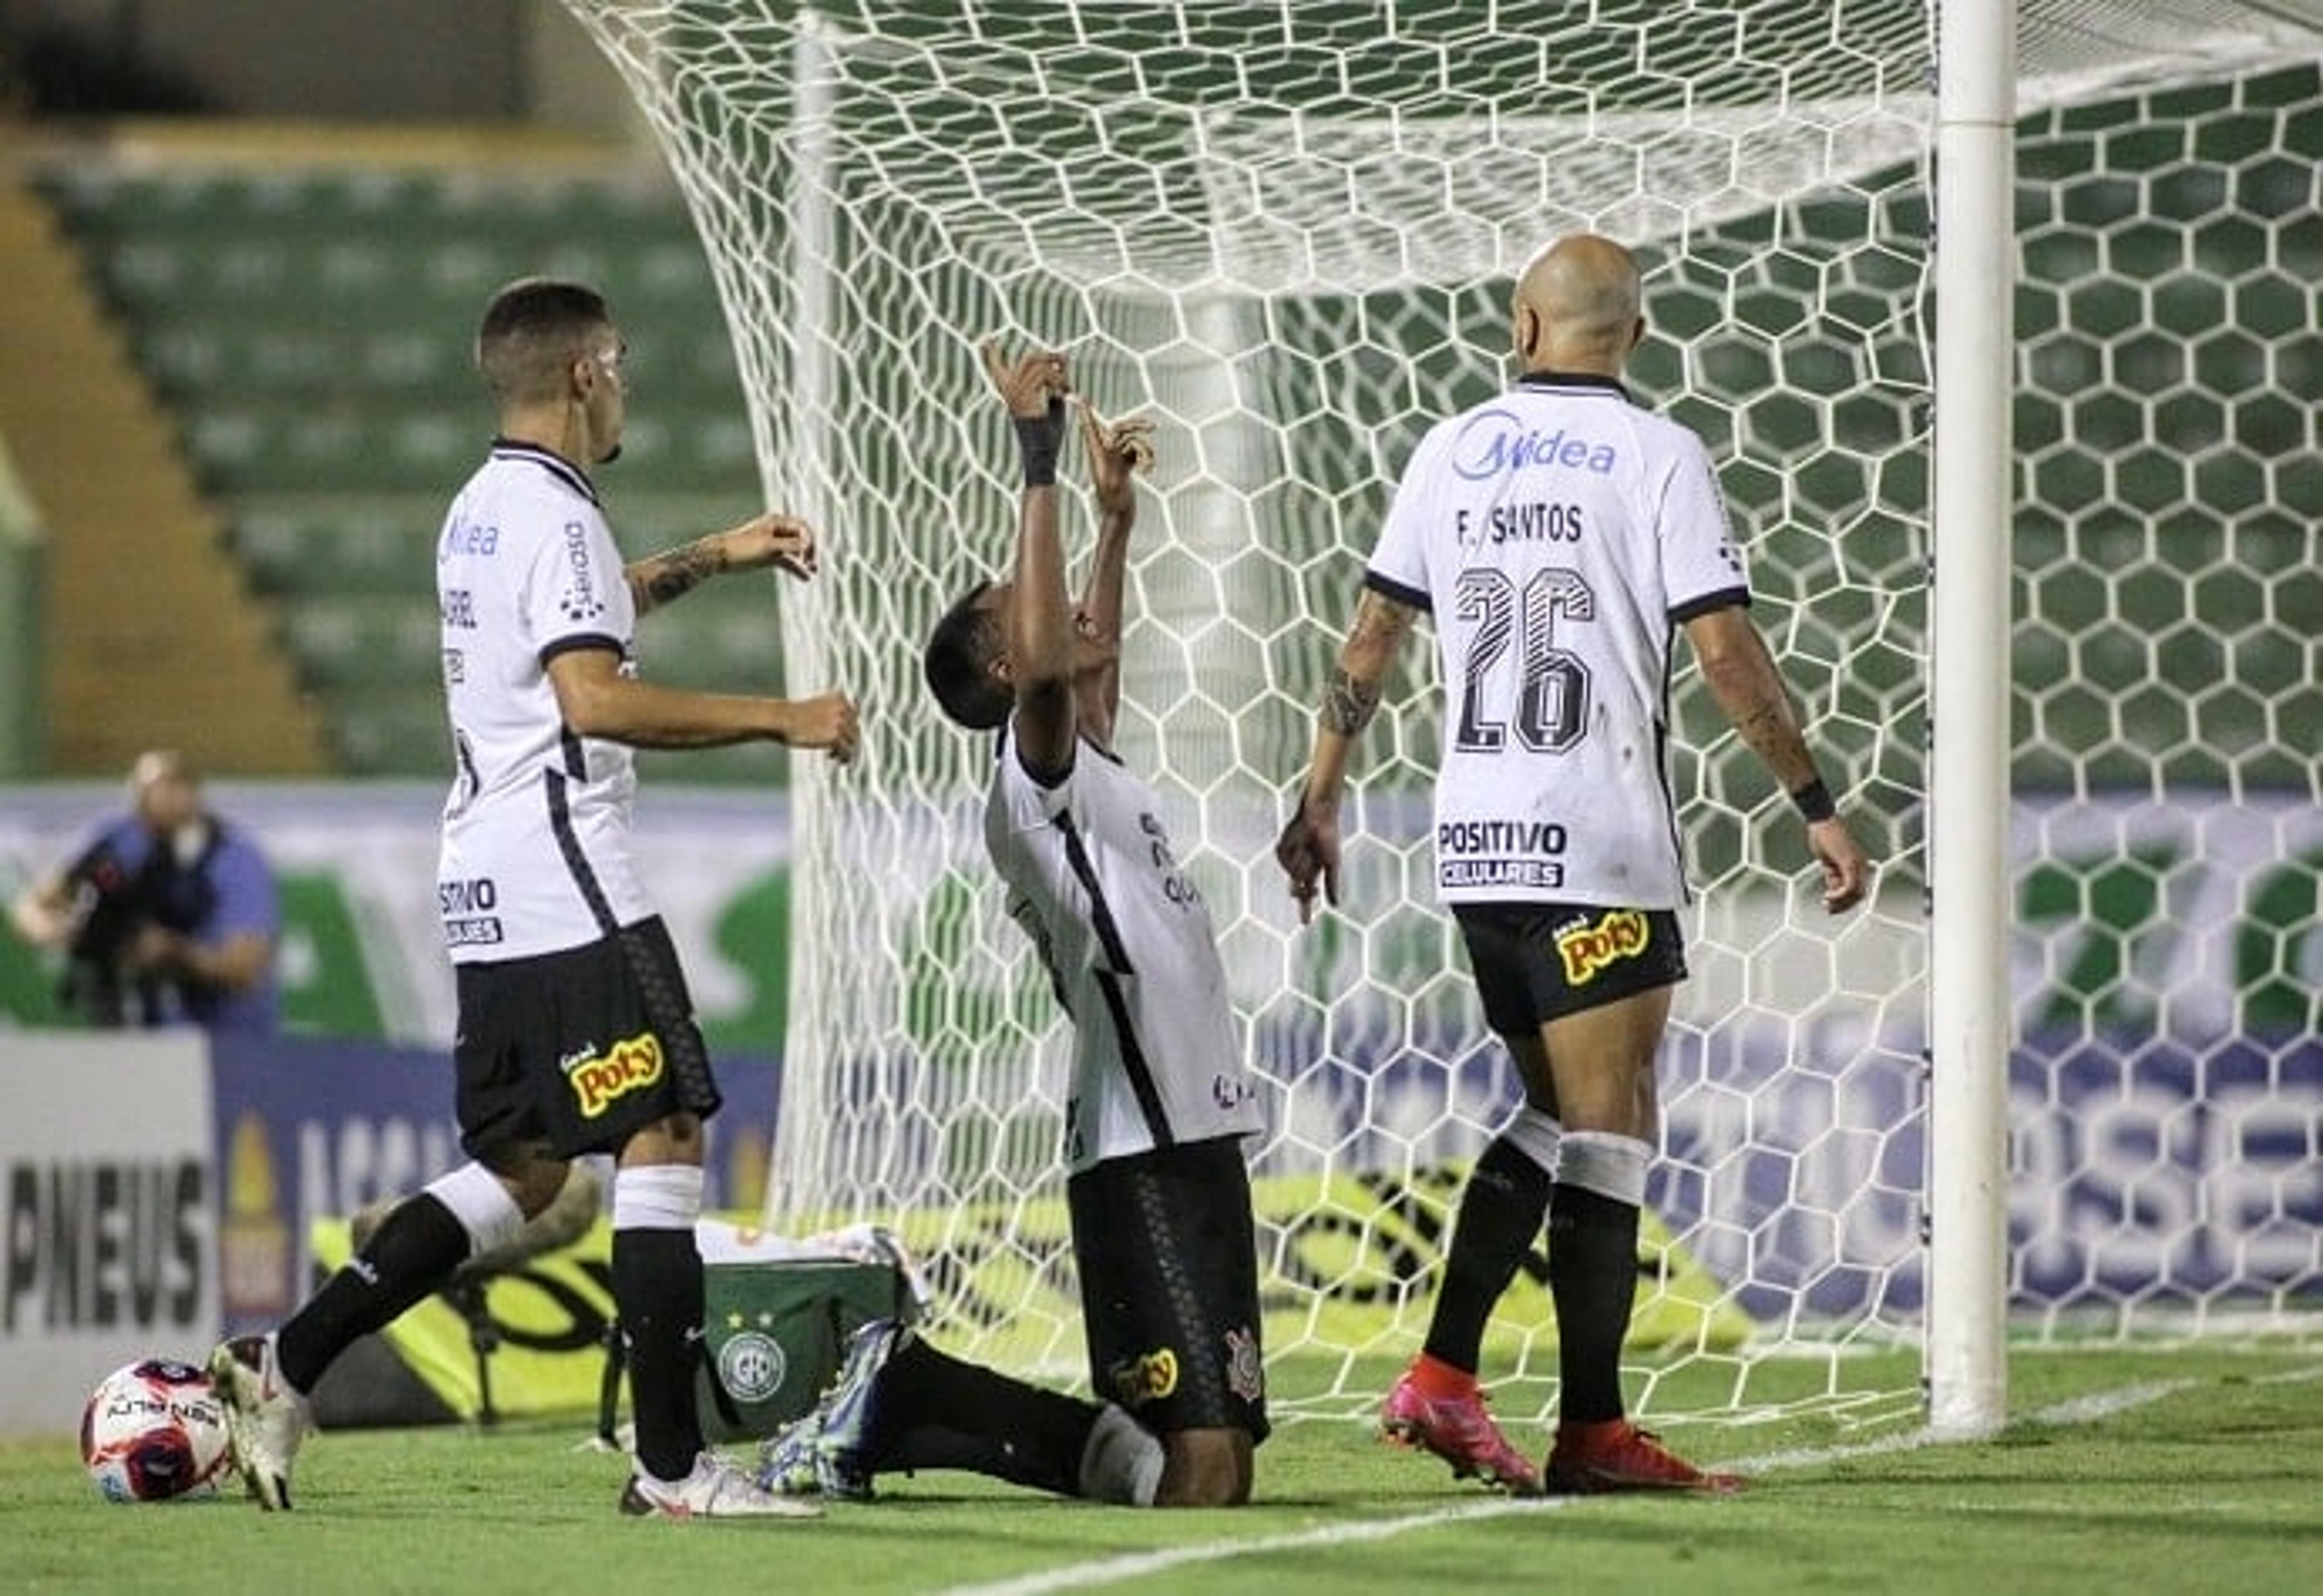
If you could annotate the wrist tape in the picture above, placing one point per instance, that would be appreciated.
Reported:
(1037, 441)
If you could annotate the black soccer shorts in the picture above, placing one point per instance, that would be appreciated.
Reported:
(1168, 1260)
(1538, 962)
(578, 1049)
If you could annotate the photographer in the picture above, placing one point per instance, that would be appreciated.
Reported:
(167, 916)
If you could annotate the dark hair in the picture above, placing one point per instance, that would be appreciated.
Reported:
(532, 329)
(957, 664)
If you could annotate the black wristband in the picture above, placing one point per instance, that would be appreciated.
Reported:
(1814, 801)
(1037, 440)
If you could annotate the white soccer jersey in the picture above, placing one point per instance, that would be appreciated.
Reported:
(1559, 535)
(1131, 953)
(535, 853)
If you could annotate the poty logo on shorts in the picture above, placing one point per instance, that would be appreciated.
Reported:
(626, 1067)
(1588, 948)
(1146, 1379)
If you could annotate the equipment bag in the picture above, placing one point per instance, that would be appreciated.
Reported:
(777, 1316)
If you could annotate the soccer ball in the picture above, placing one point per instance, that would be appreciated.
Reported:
(153, 1431)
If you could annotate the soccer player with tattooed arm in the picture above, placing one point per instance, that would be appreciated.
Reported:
(575, 1031)
(1560, 536)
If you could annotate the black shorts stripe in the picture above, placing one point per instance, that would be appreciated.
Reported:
(1117, 957)
(645, 948)
(568, 843)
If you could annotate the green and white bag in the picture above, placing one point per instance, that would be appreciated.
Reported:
(776, 1315)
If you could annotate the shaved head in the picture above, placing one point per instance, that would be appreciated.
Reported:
(1576, 306)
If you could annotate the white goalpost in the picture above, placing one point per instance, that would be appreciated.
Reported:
(1966, 1368)
(1986, 311)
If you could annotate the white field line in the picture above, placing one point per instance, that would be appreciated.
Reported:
(1111, 1571)
(2105, 1404)
(2291, 1376)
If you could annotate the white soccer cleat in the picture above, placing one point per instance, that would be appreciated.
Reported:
(265, 1419)
(715, 1490)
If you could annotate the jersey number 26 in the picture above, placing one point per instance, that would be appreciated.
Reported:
(1551, 710)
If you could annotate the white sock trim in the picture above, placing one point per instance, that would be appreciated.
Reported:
(1610, 1165)
(482, 1204)
(656, 1196)
(1536, 1136)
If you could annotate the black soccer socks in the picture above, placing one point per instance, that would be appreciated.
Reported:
(1592, 1275)
(658, 1292)
(1501, 1213)
(410, 1256)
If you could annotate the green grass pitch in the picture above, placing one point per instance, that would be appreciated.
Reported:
(2180, 1469)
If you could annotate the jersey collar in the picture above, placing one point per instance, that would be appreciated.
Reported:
(549, 461)
(1565, 379)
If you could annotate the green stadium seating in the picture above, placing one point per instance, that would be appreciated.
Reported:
(299, 544)
(392, 732)
(369, 641)
(312, 329)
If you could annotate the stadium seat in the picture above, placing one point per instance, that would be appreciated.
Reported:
(392, 732)
(364, 640)
(299, 544)
(313, 329)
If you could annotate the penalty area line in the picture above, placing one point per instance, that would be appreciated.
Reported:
(1113, 1571)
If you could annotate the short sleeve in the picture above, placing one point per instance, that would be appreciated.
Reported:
(1702, 568)
(1030, 806)
(1399, 563)
(247, 900)
(577, 595)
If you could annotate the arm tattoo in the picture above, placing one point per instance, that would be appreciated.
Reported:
(1761, 730)
(675, 574)
(1348, 704)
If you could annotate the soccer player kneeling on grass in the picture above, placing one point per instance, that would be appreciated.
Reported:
(1559, 535)
(1159, 1194)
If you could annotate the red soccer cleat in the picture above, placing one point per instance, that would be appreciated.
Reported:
(1590, 1459)
(1457, 1429)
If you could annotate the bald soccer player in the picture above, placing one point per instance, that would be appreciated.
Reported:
(1560, 535)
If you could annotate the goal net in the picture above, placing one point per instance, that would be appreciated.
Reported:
(1287, 232)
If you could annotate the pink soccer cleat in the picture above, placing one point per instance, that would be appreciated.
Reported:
(1590, 1459)
(1457, 1429)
